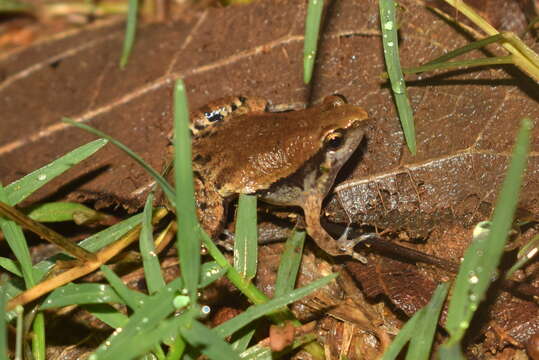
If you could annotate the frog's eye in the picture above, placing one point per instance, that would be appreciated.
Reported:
(334, 140)
(214, 116)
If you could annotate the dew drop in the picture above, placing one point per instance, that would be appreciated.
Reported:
(42, 177)
(473, 279)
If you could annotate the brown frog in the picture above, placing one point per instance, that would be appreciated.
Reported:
(286, 158)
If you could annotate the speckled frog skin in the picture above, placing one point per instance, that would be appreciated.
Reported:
(286, 158)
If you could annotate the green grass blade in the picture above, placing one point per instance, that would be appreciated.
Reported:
(79, 294)
(290, 261)
(451, 352)
(150, 261)
(107, 314)
(242, 337)
(527, 253)
(188, 235)
(456, 65)
(140, 343)
(256, 311)
(421, 342)
(64, 211)
(404, 335)
(312, 29)
(19, 310)
(483, 255)
(467, 48)
(3, 324)
(176, 349)
(246, 239)
(44, 232)
(10, 266)
(38, 338)
(130, 30)
(93, 243)
(130, 297)
(167, 189)
(391, 54)
(19, 190)
(206, 340)
(17, 243)
(142, 323)
(210, 272)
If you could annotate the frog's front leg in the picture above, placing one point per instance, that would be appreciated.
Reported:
(210, 208)
(312, 209)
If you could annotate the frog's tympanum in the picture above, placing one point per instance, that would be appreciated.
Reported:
(287, 158)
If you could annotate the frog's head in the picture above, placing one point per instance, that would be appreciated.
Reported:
(343, 132)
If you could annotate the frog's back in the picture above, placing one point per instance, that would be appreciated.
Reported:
(253, 151)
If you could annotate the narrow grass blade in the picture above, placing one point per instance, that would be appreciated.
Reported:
(107, 314)
(130, 31)
(93, 243)
(167, 189)
(242, 337)
(10, 266)
(528, 252)
(64, 211)
(391, 54)
(38, 340)
(3, 325)
(140, 343)
(19, 310)
(19, 190)
(188, 236)
(45, 232)
(290, 261)
(81, 269)
(150, 261)
(78, 294)
(17, 243)
(421, 342)
(130, 297)
(524, 57)
(246, 239)
(467, 48)
(256, 311)
(465, 64)
(210, 272)
(176, 349)
(246, 287)
(142, 323)
(206, 340)
(483, 255)
(404, 335)
(312, 29)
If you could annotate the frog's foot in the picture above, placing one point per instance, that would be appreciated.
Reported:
(335, 247)
(346, 246)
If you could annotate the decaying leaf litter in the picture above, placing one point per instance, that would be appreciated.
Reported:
(436, 196)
